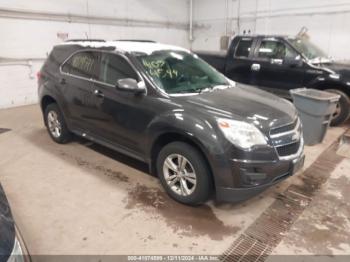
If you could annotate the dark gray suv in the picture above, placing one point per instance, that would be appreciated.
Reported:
(199, 132)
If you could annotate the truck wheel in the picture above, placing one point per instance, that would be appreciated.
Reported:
(184, 173)
(342, 112)
(55, 124)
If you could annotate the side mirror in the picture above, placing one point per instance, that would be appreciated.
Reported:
(131, 85)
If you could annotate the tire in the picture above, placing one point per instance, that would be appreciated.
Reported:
(343, 108)
(181, 187)
(56, 125)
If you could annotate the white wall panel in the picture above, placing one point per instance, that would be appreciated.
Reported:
(327, 20)
(161, 20)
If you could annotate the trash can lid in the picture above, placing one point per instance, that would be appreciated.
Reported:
(315, 94)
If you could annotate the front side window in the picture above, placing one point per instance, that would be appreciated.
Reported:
(180, 72)
(272, 49)
(244, 47)
(82, 64)
(113, 68)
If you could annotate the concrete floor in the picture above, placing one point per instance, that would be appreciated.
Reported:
(82, 198)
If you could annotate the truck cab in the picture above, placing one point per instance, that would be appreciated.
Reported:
(281, 63)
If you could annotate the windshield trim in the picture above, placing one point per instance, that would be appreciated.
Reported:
(183, 94)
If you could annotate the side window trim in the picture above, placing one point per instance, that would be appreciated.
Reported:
(256, 53)
(73, 54)
(251, 48)
(99, 52)
(258, 45)
(125, 59)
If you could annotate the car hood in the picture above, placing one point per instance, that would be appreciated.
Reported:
(7, 227)
(339, 68)
(244, 103)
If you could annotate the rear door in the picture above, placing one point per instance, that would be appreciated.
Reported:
(239, 60)
(271, 68)
(76, 81)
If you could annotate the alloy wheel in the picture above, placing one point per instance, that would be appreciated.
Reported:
(179, 174)
(54, 124)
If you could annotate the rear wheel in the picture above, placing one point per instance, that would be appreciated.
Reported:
(55, 124)
(342, 112)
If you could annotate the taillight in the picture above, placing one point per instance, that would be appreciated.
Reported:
(38, 75)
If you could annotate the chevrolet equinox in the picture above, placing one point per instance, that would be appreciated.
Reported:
(200, 132)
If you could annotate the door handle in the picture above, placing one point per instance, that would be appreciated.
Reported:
(98, 93)
(277, 61)
(256, 67)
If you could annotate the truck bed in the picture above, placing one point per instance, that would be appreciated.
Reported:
(215, 59)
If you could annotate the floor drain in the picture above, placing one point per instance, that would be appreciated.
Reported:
(246, 248)
(344, 147)
(260, 238)
(3, 130)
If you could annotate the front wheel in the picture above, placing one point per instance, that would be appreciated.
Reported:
(342, 112)
(184, 173)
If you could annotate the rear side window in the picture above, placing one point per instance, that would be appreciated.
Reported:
(82, 64)
(244, 47)
(113, 68)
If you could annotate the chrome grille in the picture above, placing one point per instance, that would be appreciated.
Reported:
(287, 139)
(285, 128)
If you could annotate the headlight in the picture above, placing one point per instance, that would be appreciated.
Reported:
(240, 133)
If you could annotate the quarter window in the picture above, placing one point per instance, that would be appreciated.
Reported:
(244, 47)
(114, 68)
(82, 64)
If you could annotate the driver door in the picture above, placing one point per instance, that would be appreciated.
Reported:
(277, 67)
(122, 117)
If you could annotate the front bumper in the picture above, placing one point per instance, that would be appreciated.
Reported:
(253, 177)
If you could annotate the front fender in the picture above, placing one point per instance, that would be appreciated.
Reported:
(201, 132)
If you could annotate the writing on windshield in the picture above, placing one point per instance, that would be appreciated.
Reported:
(180, 72)
(159, 69)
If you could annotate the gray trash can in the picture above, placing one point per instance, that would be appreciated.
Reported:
(316, 109)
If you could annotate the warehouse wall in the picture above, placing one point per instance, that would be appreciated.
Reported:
(327, 20)
(29, 29)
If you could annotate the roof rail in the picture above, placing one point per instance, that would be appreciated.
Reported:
(85, 40)
(136, 40)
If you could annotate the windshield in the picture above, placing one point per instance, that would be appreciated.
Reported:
(307, 48)
(181, 72)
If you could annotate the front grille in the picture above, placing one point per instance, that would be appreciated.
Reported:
(287, 139)
(287, 150)
(285, 128)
